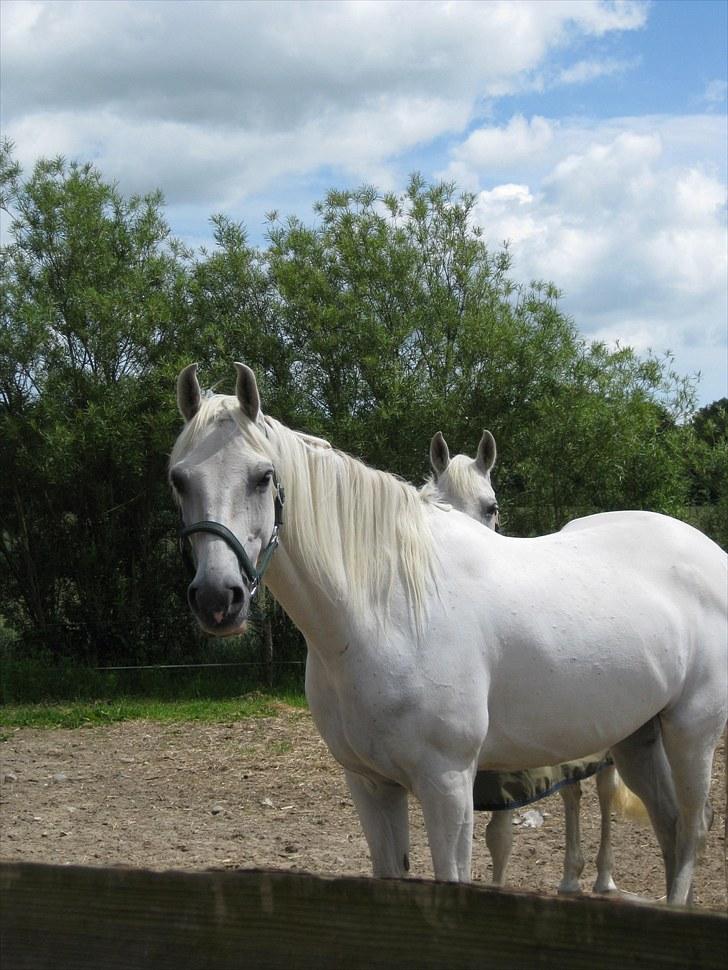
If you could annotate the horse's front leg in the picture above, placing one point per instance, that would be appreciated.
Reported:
(382, 810)
(446, 798)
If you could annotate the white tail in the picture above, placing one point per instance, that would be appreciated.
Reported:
(628, 805)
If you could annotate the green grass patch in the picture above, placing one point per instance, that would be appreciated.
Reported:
(292, 698)
(90, 714)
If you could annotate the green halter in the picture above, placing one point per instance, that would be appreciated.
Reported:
(252, 572)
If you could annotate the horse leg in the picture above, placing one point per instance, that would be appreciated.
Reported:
(642, 763)
(691, 761)
(573, 856)
(606, 788)
(382, 810)
(499, 839)
(446, 798)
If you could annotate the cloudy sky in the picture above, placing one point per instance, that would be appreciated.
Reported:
(593, 133)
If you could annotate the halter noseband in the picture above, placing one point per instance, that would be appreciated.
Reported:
(251, 571)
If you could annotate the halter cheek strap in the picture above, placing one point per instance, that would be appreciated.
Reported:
(252, 572)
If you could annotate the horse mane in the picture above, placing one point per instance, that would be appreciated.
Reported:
(430, 494)
(357, 528)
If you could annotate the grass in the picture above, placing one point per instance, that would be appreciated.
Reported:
(75, 714)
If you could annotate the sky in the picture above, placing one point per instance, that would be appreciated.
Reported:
(592, 132)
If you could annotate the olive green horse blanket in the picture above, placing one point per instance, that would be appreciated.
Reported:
(495, 791)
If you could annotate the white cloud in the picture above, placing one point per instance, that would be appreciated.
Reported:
(263, 90)
(219, 103)
(500, 149)
(590, 70)
(218, 166)
(601, 18)
(635, 238)
(617, 172)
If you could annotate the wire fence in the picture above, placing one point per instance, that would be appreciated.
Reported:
(239, 663)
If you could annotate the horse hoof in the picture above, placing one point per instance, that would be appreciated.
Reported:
(569, 889)
(609, 889)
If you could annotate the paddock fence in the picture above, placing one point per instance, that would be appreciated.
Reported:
(83, 918)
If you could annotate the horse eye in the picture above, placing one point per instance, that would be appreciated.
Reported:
(265, 479)
(178, 479)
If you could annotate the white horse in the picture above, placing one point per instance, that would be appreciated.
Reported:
(437, 647)
(465, 484)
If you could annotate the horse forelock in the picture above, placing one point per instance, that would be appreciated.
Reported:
(213, 408)
(464, 478)
(357, 529)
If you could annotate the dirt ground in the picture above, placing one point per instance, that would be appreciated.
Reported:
(265, 792)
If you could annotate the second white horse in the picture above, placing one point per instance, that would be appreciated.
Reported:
(465, 483)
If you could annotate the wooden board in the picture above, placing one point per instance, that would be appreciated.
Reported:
(68, 917)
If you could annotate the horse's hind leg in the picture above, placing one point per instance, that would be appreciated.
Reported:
(499, 839)
(606, 789)
(691, 761)
(642, 763)
(382, 810)
(573, 856)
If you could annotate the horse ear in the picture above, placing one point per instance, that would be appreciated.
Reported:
(246, 388)
(439, 453)
(189, 395)
(486, 453)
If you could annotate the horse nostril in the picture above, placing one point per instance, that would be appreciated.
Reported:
(216, 605)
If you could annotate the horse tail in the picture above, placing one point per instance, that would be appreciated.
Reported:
(628, 805)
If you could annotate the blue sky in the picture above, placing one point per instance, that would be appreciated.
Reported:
(593, 134)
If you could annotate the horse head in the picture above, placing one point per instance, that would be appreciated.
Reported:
(464, 482)
(225, 483)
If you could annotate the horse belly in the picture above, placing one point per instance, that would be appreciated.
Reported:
(558, 704)
(596, 653)
(549, 738)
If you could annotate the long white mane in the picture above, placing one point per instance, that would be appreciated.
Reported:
(358, 529)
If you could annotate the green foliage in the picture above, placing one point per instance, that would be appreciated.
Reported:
(84, 715)
(232, 313)
(707, 463)
(385, 320)
(29, 680)
(88, 348)
(403, 322)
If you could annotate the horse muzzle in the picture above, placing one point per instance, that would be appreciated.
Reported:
(221, 610)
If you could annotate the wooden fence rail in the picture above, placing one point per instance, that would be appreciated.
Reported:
(78, 918)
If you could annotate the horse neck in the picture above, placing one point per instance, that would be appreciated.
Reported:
(309, 607)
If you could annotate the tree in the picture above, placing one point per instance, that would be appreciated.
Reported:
(91, 323)
(384, 321)
(401, 322)
(706, 458)
(233, 314)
